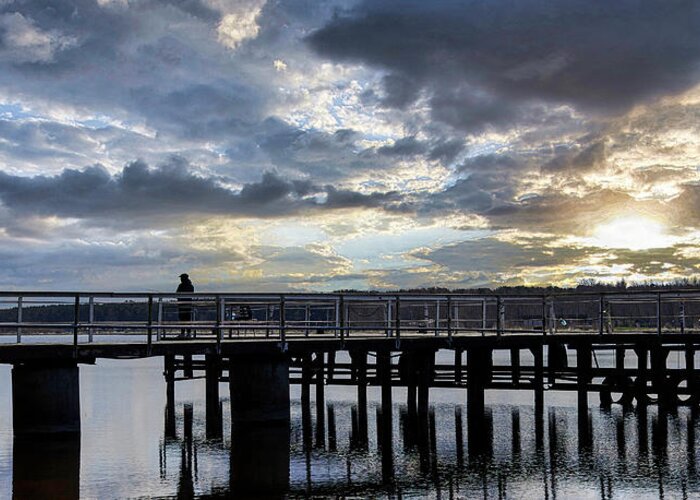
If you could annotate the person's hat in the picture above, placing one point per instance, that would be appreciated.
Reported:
(184, 275)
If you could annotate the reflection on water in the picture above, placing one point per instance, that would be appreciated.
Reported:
(52, 472)
(133, 446)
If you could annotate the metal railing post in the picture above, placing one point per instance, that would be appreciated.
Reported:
(219, 319)
(397, 333)
(499, 317)
(388, 317)
(159, 330)
(91, 317)
(307, 319)
(437, 317)
(76, 321)
(544, 315)
(601, 314)
(658, 313)
(483, 317)
(682, 314)
(19, 319)
(449, 317)
(283, 334)
(340, 317)
(149, 325)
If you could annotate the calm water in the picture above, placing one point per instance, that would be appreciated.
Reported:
(124, 452)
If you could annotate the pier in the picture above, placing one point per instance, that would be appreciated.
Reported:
(630, 349)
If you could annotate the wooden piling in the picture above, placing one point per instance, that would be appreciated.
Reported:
(515, 365)
(214, 427)
(320, 401)
(538, 382)
(169, 372)
(384, 374)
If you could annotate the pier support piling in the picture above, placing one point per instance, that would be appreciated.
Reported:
(45, 399)
(538, 381)
(214, 425)
(259, 388)
(359, 362)
(583, 364)
(426, 369)
(479, 365)
(169, 372)
(320, 401)
(384, 375)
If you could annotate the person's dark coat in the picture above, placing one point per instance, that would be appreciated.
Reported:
(184, 311)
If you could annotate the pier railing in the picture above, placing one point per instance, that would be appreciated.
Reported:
(84, 317)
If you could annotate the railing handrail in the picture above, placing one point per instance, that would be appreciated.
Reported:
(369, 295)
(444, 312)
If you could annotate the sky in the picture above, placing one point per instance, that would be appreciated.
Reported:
(290, 145)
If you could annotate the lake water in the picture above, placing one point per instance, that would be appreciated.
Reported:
(125, 452)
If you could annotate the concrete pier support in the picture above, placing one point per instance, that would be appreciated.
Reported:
(259, 388)
(479, 365)
(45, 399)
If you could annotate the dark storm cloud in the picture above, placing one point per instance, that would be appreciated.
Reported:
(169, 191)
(408, 146)
(482, 62)
(577, 158)
(327, 156)
(446, 150)
(486, 182)
(159, 62)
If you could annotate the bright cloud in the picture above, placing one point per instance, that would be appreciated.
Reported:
(240, 25)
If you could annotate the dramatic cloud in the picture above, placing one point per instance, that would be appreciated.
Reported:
(169, 191)
(348, 143)
(492, 62)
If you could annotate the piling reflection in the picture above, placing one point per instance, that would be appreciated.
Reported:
(46, 468)
(506, 452)
(260, 461)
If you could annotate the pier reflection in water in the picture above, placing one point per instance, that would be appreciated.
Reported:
(505, 453)
(624, 452)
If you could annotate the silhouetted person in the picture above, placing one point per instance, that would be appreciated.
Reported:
(184, 311)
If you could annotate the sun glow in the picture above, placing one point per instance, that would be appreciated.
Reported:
(633, 233)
